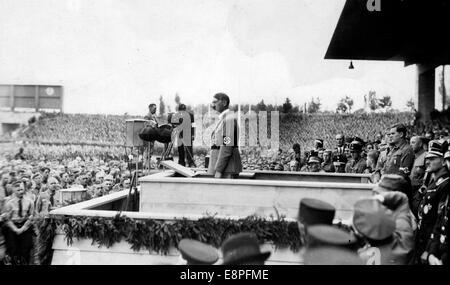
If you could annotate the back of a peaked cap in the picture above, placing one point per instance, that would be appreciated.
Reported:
(330, 255)
(326, 235)
(373, 220)
(392, 182)
(313, 211)
(196, 252)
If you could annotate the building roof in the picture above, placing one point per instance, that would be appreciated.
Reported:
(412, 31)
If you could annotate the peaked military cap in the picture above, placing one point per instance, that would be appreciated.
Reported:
(195, 252)
(314, 211)
(241, 248)
(373, 220)
(392, 182)
(356, 145)
(320, 235)
(435, 149)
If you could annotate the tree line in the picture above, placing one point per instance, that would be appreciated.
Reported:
(344, 106)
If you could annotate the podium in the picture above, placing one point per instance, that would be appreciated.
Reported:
(133, 127)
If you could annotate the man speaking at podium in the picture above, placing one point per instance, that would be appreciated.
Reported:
(225, 161)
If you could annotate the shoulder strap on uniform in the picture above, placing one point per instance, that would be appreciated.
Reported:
(441, 180)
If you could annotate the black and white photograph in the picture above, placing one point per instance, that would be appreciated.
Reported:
(224, 132)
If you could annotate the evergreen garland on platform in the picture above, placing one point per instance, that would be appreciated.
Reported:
(160, 235)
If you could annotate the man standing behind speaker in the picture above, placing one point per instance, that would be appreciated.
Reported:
(225, 161)
(151, 116)
(149, 146)
(185, 151)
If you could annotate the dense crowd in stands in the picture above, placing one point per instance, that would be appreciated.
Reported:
(294, 128)
(78, 128)
(305, 128)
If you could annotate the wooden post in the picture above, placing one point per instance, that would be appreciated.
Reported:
(61, 98)
(442, 88)
(12, 98)
(36, 98)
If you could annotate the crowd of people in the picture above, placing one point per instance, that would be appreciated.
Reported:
(384, 230)
(294, 128)
(300, 129)
(30, 189)
(406, 220)
(78, 128)
(410, 172)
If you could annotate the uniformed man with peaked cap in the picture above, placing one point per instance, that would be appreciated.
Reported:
(358, 163)
(386, 227)
(437, 246)
(427, 198)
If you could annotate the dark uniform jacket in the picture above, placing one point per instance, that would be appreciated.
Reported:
(418, 170)
(399, 160)
(438, 244)
(225, 157)
(328, 167)
(356, 166)
(427, 201)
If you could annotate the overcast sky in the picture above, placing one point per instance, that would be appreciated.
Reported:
(117, 56)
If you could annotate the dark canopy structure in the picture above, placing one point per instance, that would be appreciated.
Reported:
(412, 31)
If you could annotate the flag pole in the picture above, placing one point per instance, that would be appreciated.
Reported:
(239, 111)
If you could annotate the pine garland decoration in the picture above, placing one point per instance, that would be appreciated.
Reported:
(161, 235)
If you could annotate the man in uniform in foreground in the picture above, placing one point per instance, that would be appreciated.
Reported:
(225, 160)
(437, 247)
(18, 233)
(386, 224)
(427, 199)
